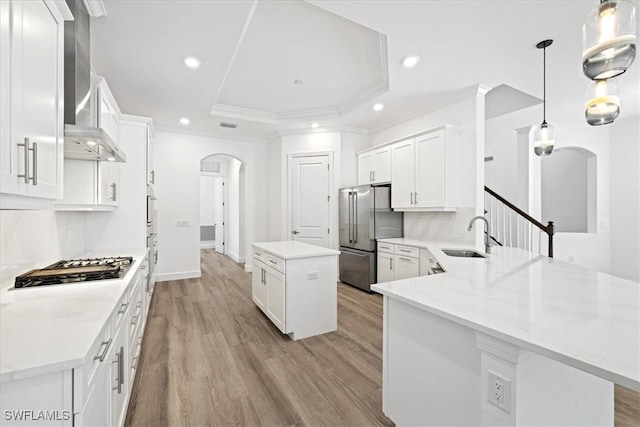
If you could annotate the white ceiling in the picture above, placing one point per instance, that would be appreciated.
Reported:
(347, 53)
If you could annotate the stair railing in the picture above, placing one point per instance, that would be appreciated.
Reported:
(513, 227)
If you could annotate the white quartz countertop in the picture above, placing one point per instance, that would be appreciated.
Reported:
(580, 317)
(51, 328)
(291, 249)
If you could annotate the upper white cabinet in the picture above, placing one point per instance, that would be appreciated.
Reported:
(424, 171)
(374, 166)
(31, 101)
(90, 184)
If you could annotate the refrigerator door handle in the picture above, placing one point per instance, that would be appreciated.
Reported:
(355, 217)
(349, 215)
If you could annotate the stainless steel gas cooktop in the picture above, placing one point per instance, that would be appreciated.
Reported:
(76, 270)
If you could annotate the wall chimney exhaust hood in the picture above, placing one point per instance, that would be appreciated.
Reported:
(83, 139)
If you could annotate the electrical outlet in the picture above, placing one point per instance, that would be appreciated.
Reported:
(499, 391)
(462, 229)
(182, 223)
(571, 258)
(312, 275)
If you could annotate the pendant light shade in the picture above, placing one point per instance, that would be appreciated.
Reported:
(609, 39)
(543, 136)
(602, 102)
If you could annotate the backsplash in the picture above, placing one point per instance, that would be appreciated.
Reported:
(440, 226)
(35, 239)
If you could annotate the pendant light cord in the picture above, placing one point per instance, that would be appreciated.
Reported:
(544, 85)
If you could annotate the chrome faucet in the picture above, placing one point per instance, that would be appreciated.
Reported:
(487, 231)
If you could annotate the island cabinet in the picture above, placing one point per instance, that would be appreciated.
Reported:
(424, 171)
(294, 284)
(374, 165)
(31, 102)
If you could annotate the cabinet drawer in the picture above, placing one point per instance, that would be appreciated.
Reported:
(275, 262)
(407, 251)
(385, 247)
(259, 255)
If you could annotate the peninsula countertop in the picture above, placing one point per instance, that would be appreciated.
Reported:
(580, 317)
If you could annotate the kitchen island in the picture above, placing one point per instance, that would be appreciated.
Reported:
(512, 339)
(295, 285)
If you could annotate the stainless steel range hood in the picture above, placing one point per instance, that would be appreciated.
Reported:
(83, 139)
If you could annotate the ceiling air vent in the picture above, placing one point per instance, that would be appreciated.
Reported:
(228, 125)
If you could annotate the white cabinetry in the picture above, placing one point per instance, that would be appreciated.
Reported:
(31, 100)
(424, 171)
(374, 166)
(296, 290)
(90, 184)
(396, 262)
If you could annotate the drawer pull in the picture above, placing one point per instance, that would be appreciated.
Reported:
(134, 320)
(405, 250)
(404, 259)
(273, 262)
(123, 308)
(106, 345)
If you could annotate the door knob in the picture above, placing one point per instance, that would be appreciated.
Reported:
(295, 232)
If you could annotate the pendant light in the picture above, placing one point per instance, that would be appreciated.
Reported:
(603, 103)
(609, 39)
(542, 136)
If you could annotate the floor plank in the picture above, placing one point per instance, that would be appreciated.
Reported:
(211, 358)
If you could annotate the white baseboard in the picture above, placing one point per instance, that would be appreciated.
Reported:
(235, 257)
(207, 245)
(178, 275)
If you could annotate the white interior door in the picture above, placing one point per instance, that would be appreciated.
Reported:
(309, 207)
(219, 213)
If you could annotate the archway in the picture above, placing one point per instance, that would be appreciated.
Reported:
(223, 176)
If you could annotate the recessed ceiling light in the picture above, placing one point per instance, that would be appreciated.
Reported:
(191, 62)
(298, 82)
(410, 61)
(378, 107)
(111, 159)
(184, 121)
(315, 125)
(91, 143)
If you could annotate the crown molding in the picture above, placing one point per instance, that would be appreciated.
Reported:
(239, 138)
(95, 8)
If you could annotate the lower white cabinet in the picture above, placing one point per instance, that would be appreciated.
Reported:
(396, 262)
(95, 393)
(295, 285)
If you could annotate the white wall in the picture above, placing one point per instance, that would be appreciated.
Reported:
(232, 222)
(468, 114)
(35, 239)
(177, 164)
(351, 143)
(501, 144)
(625, 198)
(207, 199)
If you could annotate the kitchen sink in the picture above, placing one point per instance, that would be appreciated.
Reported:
(464, 253)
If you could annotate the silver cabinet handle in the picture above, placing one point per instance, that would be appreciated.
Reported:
(120, 361)
(374, 175)
(153, 176)
(411, 198)
(390, 263)
(134, 320)
(415, 198)
(404, 259)
(113, 192)
(34, 162)
(106, 345)
(34, 149)
(273, 262)
(123, 308)
(404, 250)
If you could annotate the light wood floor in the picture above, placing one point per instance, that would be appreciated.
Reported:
(211, 358)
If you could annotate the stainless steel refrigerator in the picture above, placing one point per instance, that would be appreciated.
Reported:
(365, 215)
